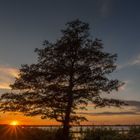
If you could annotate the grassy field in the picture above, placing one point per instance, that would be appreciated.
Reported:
(26, 133)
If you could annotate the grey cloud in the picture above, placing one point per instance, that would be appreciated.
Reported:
(111, 113)
(134, 62)
(131, 103)
(135, 104)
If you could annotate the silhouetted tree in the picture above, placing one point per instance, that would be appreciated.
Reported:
(68, 75)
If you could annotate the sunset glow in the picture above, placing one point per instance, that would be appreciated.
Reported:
(14, 123)
(26, 25)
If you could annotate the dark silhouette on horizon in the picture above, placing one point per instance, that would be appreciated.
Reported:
(69, 73)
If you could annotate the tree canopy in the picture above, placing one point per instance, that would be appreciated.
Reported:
(69, 73)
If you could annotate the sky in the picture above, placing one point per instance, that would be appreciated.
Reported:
(25, 24)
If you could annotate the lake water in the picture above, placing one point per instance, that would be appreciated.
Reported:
(78, 130)
(85, 127)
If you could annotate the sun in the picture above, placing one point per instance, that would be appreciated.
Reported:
(14, 123)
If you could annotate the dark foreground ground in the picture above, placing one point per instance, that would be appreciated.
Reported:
(28, 133)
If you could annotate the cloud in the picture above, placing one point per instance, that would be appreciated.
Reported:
(125, 85)
(133, 108)
(134, 104)
(7, 75)
(111, 113)
(134, 62)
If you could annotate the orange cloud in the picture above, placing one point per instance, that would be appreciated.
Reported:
(7, 75)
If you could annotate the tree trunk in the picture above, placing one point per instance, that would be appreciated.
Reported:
(66, 124)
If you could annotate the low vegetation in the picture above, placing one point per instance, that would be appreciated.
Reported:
(26, 133)
(109, 134)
